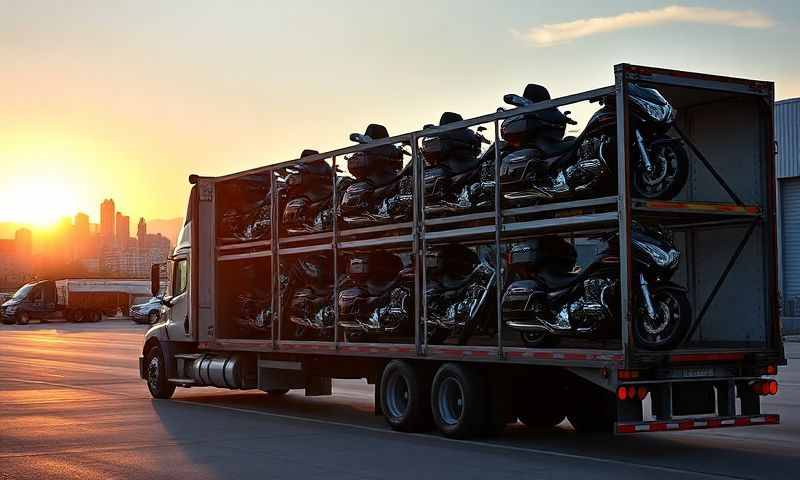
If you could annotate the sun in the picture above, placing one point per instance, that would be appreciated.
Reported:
(39, 201)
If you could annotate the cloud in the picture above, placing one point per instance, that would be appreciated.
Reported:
(554, 33)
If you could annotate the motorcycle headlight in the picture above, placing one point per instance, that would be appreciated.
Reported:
(658, 113)
(664, 259)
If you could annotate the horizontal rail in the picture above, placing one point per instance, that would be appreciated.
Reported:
(244, 256)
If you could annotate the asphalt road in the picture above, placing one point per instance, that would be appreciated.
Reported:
(71, 406)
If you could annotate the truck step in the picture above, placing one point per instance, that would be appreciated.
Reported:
(189, 356)
(182, 381)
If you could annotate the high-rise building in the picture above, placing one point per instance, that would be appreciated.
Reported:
(107, 217)
(81, 236)
(141, 229)
(23, 243)
(123, 229)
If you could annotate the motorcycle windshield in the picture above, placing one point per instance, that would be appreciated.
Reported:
(649, 94)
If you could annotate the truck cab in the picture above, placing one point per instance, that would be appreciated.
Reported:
(33, 300)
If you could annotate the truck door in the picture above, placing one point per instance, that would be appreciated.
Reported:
(179, 325)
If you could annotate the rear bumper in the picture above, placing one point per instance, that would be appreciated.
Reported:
(696, 423)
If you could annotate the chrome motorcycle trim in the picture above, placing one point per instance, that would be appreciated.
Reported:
(528, 327)
(648, 299)
(648, 165)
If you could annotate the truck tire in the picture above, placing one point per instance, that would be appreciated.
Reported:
(536, 408)
(95, 316)
(595, 411)
(78, 316)
(459, 401)
(23, 318)
(404, 397)
(157, 374)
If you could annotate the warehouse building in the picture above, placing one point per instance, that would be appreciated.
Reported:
(787, 137)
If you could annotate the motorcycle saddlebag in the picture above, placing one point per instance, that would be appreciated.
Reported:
(549, 252)
(531, 128)
(385, 159)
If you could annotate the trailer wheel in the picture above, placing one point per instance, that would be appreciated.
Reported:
(595, 411)
(458, 401)
(78, 316)
(157, 374)
(95, 316)
(404, 397)
(23, 318)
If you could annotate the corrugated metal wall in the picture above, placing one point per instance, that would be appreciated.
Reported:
(787, 134)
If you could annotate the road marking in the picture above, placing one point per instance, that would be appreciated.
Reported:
(465, 442)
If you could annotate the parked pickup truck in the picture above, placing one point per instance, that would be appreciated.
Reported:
(74, 300)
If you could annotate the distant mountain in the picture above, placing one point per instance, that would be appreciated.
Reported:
(169, 227)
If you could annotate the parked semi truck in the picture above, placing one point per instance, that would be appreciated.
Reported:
(74, 300)
(624, 280)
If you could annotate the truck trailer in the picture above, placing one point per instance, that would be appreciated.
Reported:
(258, 299)
(74, 300)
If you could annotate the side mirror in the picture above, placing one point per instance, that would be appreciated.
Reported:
(166, 300)
(360, 138)
(155, 279)
(516, 100)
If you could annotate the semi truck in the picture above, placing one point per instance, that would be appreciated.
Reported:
(74, 300)
(245, 307)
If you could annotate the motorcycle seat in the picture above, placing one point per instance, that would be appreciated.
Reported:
(558, 280)
(555, 149)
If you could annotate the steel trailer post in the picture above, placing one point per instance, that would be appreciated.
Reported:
(498, 228)
(420, 247)
(334, 248)
(624, 209)
(275, 270)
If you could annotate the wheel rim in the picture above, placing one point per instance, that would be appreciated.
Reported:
(661, 328)
(665, 170)
(153, 373)
(533, 337)
(397, 396)
(153, 318)
(450, 401)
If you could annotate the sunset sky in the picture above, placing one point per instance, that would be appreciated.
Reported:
(126, 99)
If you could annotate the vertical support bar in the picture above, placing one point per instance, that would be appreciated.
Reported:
(335, 250)
(420, 248)
(770, 234)
(624, 209)
(275, 270)
(498, 228)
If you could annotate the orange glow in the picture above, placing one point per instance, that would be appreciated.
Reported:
(40, 202)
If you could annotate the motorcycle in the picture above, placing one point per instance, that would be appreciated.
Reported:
(382, 190)
(457, 177)
(459, 292)
(543, 166)
(309, 289)
(380, 297)
(549, 300)
(309, 193)
(249, 218)
(253, 306)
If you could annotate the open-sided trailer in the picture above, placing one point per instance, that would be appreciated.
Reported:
(723, 221)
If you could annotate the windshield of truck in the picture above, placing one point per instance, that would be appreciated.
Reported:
(22, 292)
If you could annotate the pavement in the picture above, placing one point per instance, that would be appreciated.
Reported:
(72, 406)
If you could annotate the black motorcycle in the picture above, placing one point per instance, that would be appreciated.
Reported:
(380, 299)
(382, 190)
(309, 196)
(252, 308)
(548, 300)
(247, 217)
(457, 177)
(460, 293)
(309, 290)
(543, 166)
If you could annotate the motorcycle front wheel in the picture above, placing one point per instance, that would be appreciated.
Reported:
(671, 322)
(667, 177)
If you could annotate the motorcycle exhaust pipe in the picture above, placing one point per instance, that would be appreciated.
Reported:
(527, 327)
